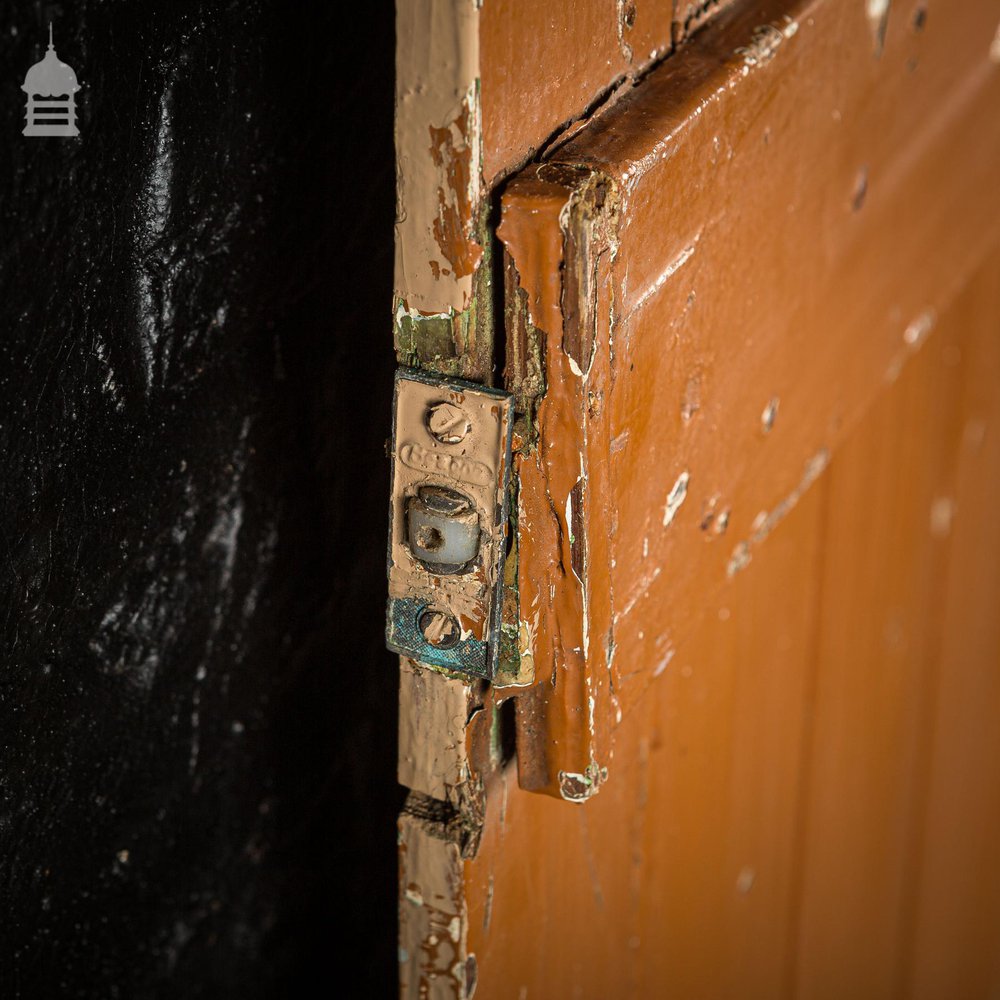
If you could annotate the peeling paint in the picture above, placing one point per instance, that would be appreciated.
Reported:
(451, 152)
(438, 139)
(433, 920)
(557, 227)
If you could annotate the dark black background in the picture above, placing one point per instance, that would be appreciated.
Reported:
(197, 720)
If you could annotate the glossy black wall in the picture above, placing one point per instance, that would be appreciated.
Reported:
(197, 721)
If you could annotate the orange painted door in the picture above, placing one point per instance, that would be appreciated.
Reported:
(738, 267)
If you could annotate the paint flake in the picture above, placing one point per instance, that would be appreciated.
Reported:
(675, 498)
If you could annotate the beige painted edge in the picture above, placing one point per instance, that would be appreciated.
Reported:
(433, 917)
(437, 88)
(433, 710)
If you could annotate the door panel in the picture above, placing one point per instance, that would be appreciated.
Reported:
(890, 496)
(798, 806)
(749, 315)
(678, 871)
(957, 869)
(723, 276)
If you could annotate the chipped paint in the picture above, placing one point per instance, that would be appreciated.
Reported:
(917, 331)
(578, 549)
(739, 560)
(713, 520)
(914, 336)
(664, 662)
(438, 140)
(557, 226)
(877, 12)
(769, 415)
(676, 496)
(578, 787)
(766, 521)
(452, 342)
(424, 337)
(433, 916)
(766, 40)
(623, 23)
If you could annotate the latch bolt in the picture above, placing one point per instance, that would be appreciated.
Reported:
(443, 529)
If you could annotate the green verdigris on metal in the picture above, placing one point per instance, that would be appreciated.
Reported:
(425, 341)
(458, 344)
(467, 654)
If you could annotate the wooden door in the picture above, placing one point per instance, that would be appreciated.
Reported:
(738, 266)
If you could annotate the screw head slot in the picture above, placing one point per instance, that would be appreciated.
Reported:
(448, 423)
(439, 628)
(442, 500)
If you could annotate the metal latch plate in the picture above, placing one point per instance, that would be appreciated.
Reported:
(448, 521)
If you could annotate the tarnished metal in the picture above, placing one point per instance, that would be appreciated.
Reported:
(448, 521)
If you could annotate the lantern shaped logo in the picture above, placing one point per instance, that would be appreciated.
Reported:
(50, 86)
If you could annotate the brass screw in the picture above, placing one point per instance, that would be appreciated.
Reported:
(448, 423)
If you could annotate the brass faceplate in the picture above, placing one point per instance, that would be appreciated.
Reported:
(450, 438)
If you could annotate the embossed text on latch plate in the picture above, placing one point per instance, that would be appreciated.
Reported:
(447, 521)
